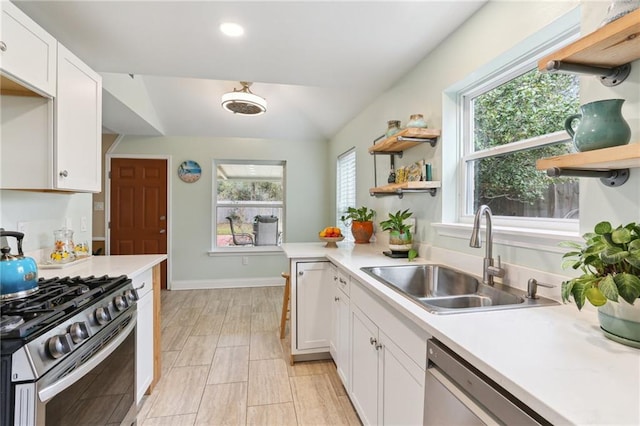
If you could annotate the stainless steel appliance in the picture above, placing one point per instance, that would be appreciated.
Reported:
(68, 353)
(456, 393)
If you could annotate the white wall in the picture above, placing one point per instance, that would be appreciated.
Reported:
(493, 30)
(42, 213)
(191, 228)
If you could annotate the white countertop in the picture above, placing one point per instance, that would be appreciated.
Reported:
(555, 359)
(130, 265)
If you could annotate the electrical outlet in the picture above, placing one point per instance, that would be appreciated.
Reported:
(22, 227)
(83, 224)
(245, 260)
(98, 206)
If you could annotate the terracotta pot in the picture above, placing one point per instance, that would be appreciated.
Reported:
(400, 241)
(362, 231)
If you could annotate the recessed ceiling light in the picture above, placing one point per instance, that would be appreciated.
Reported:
(231, 29)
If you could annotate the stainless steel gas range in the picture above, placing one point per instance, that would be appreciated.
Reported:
(68, 353)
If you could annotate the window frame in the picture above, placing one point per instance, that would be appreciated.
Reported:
(352, 183)
(215, 204)
(512, 232)
(524, 58)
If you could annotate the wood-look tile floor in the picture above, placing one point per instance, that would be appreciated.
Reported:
(223, 363)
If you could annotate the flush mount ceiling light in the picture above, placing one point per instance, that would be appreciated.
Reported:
(243, 102)
(231, 29)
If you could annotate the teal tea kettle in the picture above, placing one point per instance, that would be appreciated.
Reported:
(18, 274)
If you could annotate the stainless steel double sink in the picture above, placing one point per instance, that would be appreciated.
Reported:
(443, 290)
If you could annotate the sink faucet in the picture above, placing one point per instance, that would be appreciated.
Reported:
(489, 271)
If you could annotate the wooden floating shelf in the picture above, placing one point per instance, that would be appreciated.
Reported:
(618, 157)
(614, 44)
(396, 144)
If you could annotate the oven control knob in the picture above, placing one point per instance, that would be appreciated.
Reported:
(78, 331)
(102, 315)
(59, 345)
(131, 295)
(120, 303)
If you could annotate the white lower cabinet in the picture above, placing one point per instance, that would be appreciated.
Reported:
(313, 293)
(340, 329)
(144, 333)
(387, 385)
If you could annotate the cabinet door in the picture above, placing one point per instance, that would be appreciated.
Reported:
(78, 117)
(143, 284)
(313, 305)
(402, 387)
(343, 342)
(335, 320)
(364, 367)
(27, 52)
(144, 346)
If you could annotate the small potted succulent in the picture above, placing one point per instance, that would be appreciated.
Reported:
(361, 223)
(400, 238)
(610, 264)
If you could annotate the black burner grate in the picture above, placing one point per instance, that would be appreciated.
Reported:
(56, 299)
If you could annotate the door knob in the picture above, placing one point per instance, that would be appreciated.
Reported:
(64, 173)
(162, 231)
(3, 46)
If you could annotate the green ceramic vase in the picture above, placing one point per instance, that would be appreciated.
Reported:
(600, 125)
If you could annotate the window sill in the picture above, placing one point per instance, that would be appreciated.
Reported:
(254, 251)
(529, 238)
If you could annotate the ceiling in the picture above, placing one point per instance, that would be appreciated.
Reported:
(316, 63)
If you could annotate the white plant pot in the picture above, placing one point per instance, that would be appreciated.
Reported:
(621, 322)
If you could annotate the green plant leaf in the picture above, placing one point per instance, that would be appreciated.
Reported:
(571, 254)
(570, 244)
(578, 291)
(621, 236)
(628, 286)
(565, 291)
(569, 263)
(412, 255)
(595, 296)
(613, 255)
(634, 259)
(602, 228)
(634, 245)
(608, 289)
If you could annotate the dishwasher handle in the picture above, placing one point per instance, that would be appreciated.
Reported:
(497, 400)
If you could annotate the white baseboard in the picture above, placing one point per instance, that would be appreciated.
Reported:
(226, 283)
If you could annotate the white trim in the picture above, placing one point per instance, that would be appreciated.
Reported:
(534, 142)
(248, 250)
(529, 238)
(227, 283)
(107, 195)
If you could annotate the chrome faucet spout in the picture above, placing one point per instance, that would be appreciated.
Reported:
(488, 271)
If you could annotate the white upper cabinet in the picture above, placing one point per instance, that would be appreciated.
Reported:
(78, 118)
(27, 52)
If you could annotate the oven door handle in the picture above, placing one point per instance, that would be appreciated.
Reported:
(48, 392)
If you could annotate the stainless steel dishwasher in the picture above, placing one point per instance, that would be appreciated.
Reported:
(456, 393)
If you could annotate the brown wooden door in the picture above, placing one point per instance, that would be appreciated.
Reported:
(138, 221)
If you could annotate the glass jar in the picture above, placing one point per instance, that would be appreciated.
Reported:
(417, 121)
(63, 250)
(393, 127)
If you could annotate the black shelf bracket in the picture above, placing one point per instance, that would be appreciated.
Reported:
(400, 192)
(608, 76)
(611, 178)
(431, 141)
(391, 153)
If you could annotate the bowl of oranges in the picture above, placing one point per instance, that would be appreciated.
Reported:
(331, 235)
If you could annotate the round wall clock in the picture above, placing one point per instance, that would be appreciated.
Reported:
(189, 171)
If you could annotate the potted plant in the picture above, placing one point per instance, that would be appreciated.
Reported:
(361, 223)
(400, 238)
(610, 264)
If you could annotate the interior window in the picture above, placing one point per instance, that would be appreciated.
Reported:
(345, 188)
(510, 120)
(248, 203)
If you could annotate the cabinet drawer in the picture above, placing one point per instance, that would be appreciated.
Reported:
(343, 281)
(407, 335)
(143, 283)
